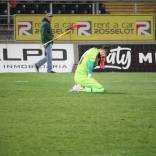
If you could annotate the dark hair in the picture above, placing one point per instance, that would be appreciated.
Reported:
(49, 15)
(105, 47)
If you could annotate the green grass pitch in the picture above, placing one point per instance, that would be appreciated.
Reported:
(39, 117)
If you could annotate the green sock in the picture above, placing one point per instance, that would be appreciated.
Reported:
(86, 89)
(94, 90)
(98, 90)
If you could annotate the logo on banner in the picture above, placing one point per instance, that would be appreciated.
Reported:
(25, 28)
(27, 54)
(143, 28)
(119, 58)
(84, 28)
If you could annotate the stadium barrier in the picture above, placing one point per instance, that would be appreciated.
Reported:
(127, 57)
(120, 58)
(21, 57)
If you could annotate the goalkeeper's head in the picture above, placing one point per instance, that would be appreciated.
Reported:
(102, 56)
(103, 51)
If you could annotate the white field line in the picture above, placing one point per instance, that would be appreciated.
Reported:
(19, 81)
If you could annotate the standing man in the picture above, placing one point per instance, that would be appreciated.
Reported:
(83, 74)
(46, 35)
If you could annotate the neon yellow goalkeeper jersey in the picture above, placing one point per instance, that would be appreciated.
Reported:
(89, 55)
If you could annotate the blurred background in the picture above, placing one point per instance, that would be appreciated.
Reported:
(8, 8)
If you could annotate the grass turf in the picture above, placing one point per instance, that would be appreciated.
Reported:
(39, 117)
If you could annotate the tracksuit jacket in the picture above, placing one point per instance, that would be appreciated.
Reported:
(45, 31)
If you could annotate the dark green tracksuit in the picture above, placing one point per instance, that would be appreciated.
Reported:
(46, 31)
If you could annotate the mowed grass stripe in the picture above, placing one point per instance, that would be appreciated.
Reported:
(41, 117)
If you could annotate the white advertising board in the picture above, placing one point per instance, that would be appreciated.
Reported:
(22, 57)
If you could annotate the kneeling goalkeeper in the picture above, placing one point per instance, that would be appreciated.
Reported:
(83, 74)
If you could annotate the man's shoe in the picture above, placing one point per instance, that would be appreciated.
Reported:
(36, 67)
(51, 72)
